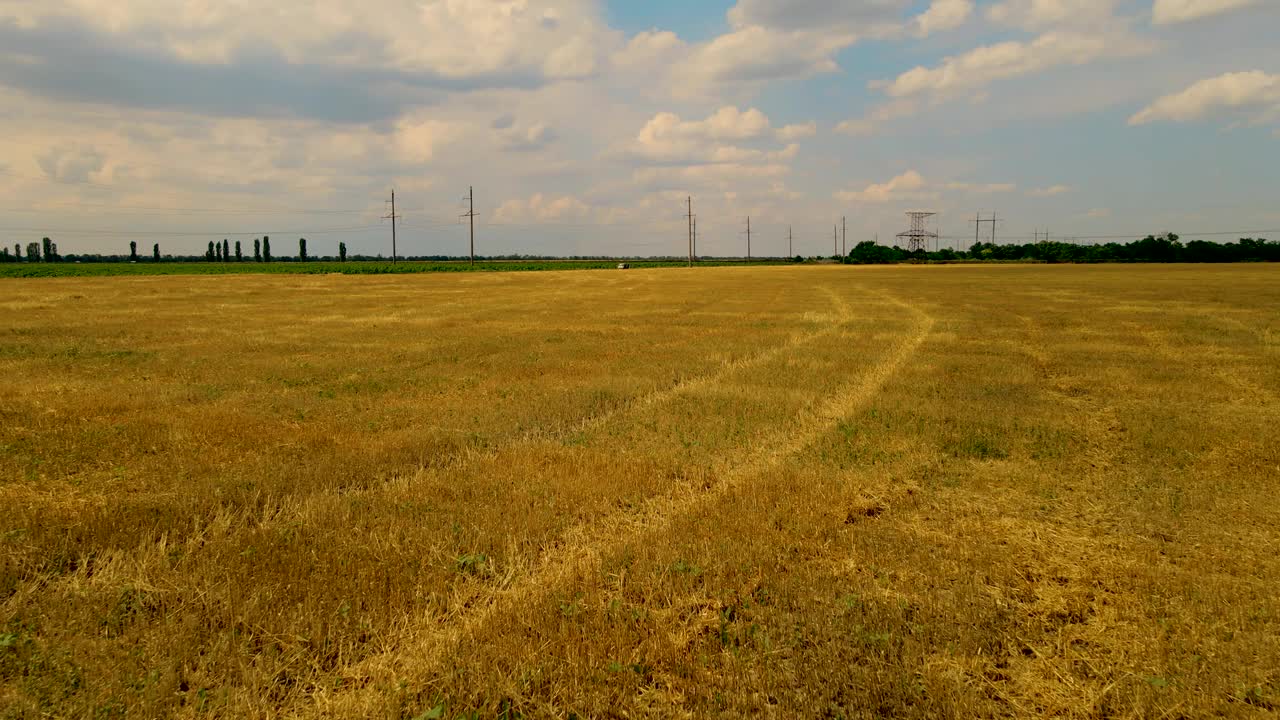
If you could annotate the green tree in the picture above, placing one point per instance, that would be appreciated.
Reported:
(266, 249)
(33, 252)
(302, 249)
(17, 251)
(155, 252)
(257, 250)
(133, 251)
(342, 252)
(870, 253)
(209, 254)
(48, 249)
(226, 250)
(239, 257)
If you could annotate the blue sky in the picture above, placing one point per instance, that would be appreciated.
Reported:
(584, 125)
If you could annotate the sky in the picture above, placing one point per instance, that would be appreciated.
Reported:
(584, 125)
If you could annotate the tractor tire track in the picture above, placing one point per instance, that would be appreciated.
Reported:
(584, 547)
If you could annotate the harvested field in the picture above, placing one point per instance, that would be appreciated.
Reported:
(799, 491)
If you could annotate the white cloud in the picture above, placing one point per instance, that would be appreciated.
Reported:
(982, 188)
(756, 54)
(667, 137)
(795, 132)
(542, 208)
(1167, 12)
(878, 116)
(1050, 191)
(1044, 14)
(649, 49)
(908, 183)
(418, 139)
(526, 139)
(554, 39)
(1254, 92)
(809, 14)
(912, 185)
(981, 66)
(71, 163)
(942, 15)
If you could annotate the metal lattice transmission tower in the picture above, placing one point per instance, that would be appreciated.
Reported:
(918, 236)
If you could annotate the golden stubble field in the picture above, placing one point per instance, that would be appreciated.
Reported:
(817, 492)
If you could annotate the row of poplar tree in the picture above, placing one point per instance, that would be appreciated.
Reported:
(47, 251)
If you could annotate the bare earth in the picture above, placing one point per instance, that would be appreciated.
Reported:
(803, 492)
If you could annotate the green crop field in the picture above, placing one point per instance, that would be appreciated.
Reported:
(820, 491)
(69, 269)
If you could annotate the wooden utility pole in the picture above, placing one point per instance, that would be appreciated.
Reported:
(393, 217)
(844, 237)
(748, 238)
(835, 239)
(695, 238)
(470, 214)
(690, 216)
(790, 250)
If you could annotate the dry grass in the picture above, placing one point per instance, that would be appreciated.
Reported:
(833, 492)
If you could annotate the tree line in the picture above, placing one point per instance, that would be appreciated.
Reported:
(47, 251)
(1167, 248)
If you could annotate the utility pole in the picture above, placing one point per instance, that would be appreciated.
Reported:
(690, 216)
(695, 238)
(844, 237)
(748, 238)
(470, 214)
(835, 239)
(392, 217)
(790, 249)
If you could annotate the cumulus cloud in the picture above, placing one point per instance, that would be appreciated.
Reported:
(542, 208)
(1050, 191)
(526, 139)
(418, 139)
(909, 183)
(668, 137)
(466, 37)
(1255, 93)
(71, 164)
(1044, 14)
(982, 188)
(807, 14)
(756, 54)
(776, 39)
(1168, 12)
(942, 15)
(984, 65)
